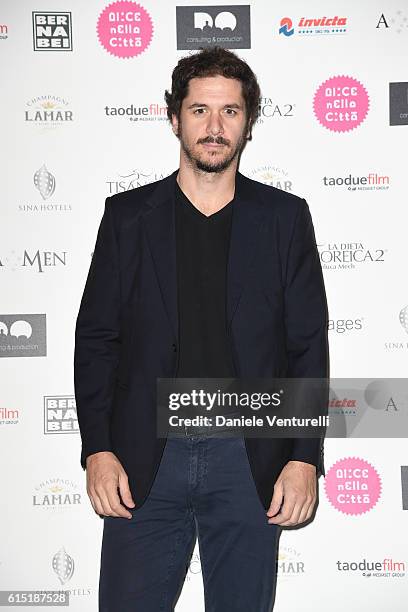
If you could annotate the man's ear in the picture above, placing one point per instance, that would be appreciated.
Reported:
(175, 124)
(249, 132)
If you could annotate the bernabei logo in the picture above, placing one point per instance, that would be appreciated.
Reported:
(52, 31)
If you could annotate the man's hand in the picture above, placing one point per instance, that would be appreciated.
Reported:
(105, 475)
(296, 485)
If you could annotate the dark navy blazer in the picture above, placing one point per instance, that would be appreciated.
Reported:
(127, 327)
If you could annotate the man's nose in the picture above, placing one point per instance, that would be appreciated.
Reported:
(215, 127)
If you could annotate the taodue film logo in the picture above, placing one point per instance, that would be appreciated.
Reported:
(9, 416)
(148, 112)
(373, 181)
(386, 568)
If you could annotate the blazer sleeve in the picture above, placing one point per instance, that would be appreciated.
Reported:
(97, 341)
(306, 322)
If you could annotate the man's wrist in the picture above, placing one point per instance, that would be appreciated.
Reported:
(90, 458)
(312, 466)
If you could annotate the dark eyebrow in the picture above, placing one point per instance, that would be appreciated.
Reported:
(198, 105)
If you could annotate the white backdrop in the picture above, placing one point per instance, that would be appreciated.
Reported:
(64, 150)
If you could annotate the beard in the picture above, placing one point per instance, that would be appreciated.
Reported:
(207, 165)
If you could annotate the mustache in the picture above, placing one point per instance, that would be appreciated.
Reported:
(211, 140)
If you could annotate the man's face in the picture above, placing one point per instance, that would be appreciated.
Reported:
(212, 128)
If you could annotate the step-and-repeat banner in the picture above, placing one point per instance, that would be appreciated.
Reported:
(83, 117)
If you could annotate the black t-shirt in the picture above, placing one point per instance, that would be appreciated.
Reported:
(202, 245)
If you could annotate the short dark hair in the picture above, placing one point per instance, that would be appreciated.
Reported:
(213, 61)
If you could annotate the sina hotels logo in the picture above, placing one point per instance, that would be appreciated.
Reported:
(44, 181)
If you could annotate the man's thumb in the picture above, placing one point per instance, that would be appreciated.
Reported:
(125, 491)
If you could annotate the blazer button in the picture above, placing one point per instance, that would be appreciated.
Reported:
(174, 347)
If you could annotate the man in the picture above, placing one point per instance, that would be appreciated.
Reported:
(202, 274)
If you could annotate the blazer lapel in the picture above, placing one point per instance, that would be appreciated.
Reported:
(246, 225)
(159, 222)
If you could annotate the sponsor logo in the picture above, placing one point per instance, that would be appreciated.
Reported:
(23, 335)
(314, 26)
(286, 27)
(403, 318)
(60, 415)
(269, 109)
(345, 406)
(397, 22)
(48, 111)
(398, 344)
(3, 31)
(133, 179)
(398, 103)
(56, 494)
(370, 182)
(271, 175)
(385, 397)
(341, 103)
(9, 416)
(64, 566)
(387, 568)
(39, 261)
(204, 26)
(150, 112)
(348, 255)
(124, 29)
(52, 31)
(353, 486)
(289, 563)
(45, 183)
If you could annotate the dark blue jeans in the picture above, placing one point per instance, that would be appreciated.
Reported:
(203, 487)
